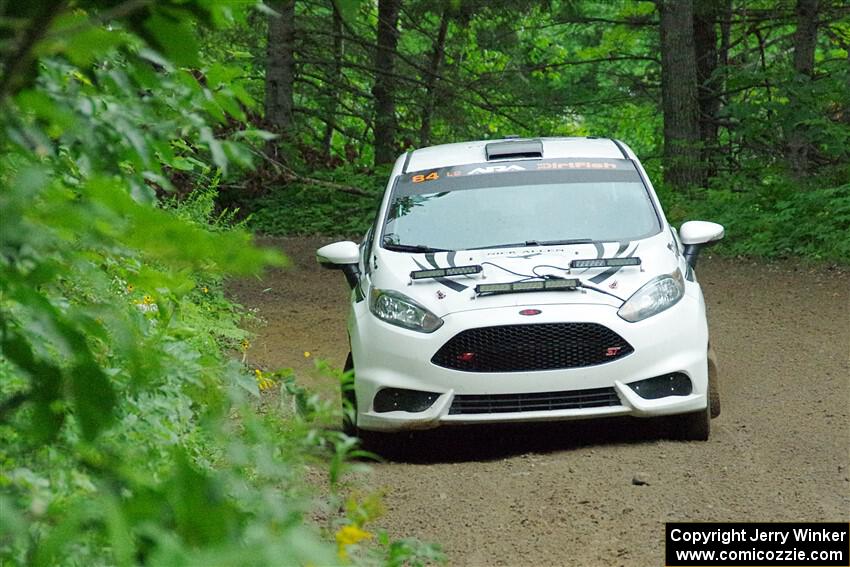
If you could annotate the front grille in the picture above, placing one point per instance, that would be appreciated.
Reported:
(540, 401)
(543, 346)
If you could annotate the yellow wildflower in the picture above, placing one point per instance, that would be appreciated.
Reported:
(349, 535)
(206, 289)
(306, 354)
(147, 300)
(245, 344)
(263, 382)
(130, 288)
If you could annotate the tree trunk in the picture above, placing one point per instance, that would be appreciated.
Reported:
(682, 167)
(432, 78)
(280, 67)
(805, 39)
(723, 59)
(384, 87)
(334, 76)
(725, 34)
(706, 15)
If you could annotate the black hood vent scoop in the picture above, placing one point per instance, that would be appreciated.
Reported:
(514, 149)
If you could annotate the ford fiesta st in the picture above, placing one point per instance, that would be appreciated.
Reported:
(525, 280)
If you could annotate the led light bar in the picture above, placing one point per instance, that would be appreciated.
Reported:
(605, 263)
(445, 272)
(519, 287)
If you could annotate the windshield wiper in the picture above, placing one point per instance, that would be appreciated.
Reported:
(563, 242)
(412, 248)
(511, 245)
(537, 243)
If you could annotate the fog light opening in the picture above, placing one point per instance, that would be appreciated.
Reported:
(675, 384)
(398, 399)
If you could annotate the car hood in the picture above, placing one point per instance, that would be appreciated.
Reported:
(391, 270)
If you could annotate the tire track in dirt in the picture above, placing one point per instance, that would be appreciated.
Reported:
(561, 494)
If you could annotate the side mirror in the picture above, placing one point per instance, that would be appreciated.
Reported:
(697, 234)
(343, 256)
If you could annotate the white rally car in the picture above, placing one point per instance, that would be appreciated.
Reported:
(525, 280)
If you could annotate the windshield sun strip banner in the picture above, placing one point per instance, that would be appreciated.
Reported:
(604, 164)
(523, 172)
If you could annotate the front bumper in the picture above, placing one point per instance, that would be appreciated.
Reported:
(386, 356)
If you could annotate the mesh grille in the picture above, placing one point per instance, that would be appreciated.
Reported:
(519, 348)
(542, 401)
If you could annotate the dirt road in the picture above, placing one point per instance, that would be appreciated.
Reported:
(563, 494)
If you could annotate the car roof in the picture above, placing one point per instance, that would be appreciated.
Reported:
(448, 155)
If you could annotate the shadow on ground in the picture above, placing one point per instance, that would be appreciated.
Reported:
(501, 441)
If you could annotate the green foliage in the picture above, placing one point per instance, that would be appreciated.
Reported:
(774, 220)
(128, 433)
(307, 208)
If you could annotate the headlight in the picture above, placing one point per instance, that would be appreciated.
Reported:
(657, 295)
(398, 309)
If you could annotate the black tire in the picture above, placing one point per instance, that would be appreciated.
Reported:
(381, 444)
(694, 426)
(373, 441)
(713, 385)
(349, 400)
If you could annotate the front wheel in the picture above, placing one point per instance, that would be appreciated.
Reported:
(713, 386)
(349, 399)
(693, 426)
(369, 440)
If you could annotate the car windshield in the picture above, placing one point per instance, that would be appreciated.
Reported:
(519, 203)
